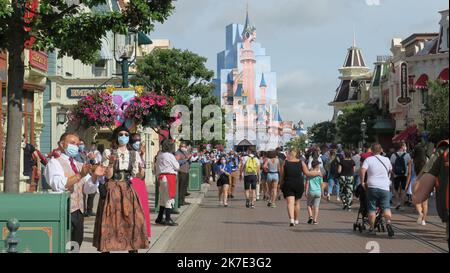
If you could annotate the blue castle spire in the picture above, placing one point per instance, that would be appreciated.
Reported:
(263, 81)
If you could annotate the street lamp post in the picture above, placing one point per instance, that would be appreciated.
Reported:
(125, 52)
(363, 130)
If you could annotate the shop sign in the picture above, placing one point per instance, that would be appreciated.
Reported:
(39, 60)
(404, 99)
(80, 92)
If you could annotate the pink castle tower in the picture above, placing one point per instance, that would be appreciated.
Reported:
(248, 61)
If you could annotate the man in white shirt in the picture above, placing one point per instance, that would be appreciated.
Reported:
(378, 169)
(64, 173)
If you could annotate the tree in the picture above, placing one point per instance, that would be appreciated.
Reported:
(64, 25)
(437, 121)
(298, 143)
(323, 132)
(179, 74)
(349, 123)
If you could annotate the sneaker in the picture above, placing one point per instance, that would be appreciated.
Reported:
(390, 230)
(371, 232)
(296, 222)
(225, 205)
(310, 221)
(231, 196)
(349, 209)
(423, 223)
(344, 207)
(269, 204)
(291, 224)
(247, 203)
(158, 221)
(338, 199)
(328, 197)
(252, 206)
(398, 207)
(273, 205)
(170, 223)
(315, 223)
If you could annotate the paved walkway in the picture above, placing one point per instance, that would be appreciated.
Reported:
(160, 235)
(238, 229)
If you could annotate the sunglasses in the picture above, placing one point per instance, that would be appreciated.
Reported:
(123, 134)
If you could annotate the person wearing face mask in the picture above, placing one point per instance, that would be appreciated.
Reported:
(138, 184)
(206, 164)
(82, 154)
(183, 157)
(223, 183)
(95, 153)
(120, 221)
(64, 173)
(234, 177)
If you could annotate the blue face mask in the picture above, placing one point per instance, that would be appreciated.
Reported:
(81, 147)
(72, 150)
(136, 145)
(123, 140)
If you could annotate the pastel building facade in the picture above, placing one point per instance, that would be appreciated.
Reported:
(247, 88)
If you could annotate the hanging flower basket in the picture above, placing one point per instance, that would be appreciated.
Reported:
(149, 109)
(94, 110)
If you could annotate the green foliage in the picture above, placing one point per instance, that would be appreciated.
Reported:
(298, 143)
(179, 74)
(78, 33)
(349, 123)
(323, 132)
(438, 117)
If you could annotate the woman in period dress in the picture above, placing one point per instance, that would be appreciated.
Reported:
(120, 222)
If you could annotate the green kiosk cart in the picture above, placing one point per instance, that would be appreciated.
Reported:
(44, 220)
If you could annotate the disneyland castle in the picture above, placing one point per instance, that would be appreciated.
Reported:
(247, 89)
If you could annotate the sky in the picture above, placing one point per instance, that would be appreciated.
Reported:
(306, 39)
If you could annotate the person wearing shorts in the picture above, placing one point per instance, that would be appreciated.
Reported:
(272, 165)
(378, 169)
(314, 193)
(401, 179)
(250, 180)
(292, 184)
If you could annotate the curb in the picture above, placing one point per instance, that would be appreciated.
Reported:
(163, 242)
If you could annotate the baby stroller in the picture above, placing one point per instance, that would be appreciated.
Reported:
(362, 221)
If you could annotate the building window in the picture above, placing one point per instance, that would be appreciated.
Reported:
(424, 94)
(99, 68)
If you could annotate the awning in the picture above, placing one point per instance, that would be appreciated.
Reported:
(144, 39)
(422, 82)
(408, 132)
(444, 75)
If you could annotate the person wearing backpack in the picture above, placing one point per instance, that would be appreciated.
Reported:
(250, 169)
(434, 175)
(401, 162)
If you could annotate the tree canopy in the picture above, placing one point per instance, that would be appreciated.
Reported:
(349, 123)
(323, 132)
(437, 121)
(74, 27)
(180, 74)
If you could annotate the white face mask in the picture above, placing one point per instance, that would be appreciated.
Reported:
(183, 149)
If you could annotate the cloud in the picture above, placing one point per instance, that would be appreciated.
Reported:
(304, 95)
